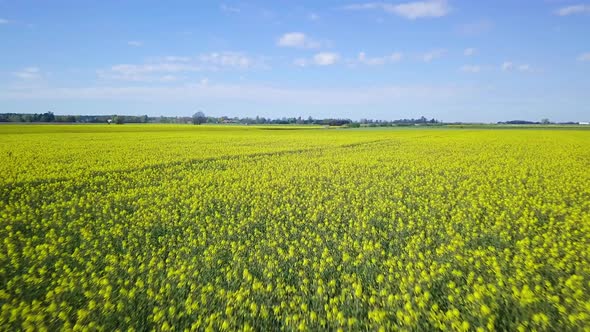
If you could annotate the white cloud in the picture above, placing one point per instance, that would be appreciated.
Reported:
(434, 54)
(469, 51)
(29, 73)
(510, 66)
(230, 9)
(392, 58)
(313, 17)
(571, 10)
(292, 39)
(413, 10)
(409, 10)
(227, 60)
(157, 72)
(127, 69)
(365, 6)
(475, 28)
(173, 58)
(297, 40)
(331, 58)
(169, 78)
(326, 58)
(584, 57)
(507, 66)
(470, 69)
(206, 91)
(525, 68)
(4, 21)
(135, 43)
(162, 69)
(301, 62)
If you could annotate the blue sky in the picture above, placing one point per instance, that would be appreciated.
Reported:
(452, 60)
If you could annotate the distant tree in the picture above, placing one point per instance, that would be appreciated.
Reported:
(118, 119)
(199, 118)
(337, 122)
(521, 122)
(47, 117)
(545, 121)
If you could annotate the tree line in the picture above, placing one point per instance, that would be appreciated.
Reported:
(50, 117)
(201, 118)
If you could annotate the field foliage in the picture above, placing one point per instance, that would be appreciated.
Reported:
(244, 228)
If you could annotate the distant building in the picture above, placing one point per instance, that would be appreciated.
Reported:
(584, 123)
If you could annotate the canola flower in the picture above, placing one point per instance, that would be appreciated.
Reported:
(181, 228)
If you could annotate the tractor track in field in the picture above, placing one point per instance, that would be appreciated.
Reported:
(7, 187)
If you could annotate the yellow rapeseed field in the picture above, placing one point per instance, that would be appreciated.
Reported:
(179, 228)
